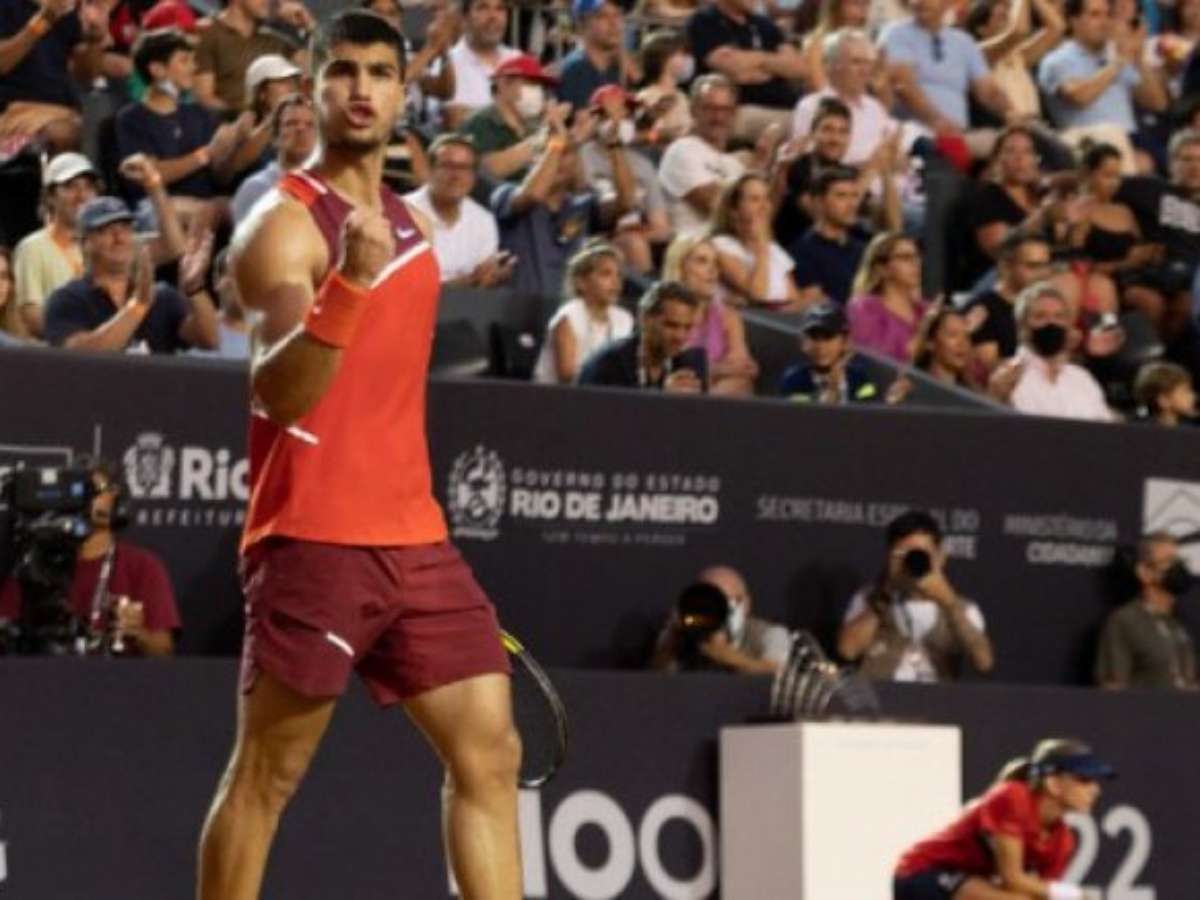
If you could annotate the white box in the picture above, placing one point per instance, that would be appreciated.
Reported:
(822, 810)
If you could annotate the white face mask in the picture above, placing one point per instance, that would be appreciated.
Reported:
(531, 102)
(683, 67)
(626, 131)
(167, 86)
(736, 623)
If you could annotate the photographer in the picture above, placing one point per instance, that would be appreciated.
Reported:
(1143, 643)
(911, 624)
(120, 591)
(711, 628)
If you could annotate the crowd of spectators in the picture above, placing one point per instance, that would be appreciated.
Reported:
(1001, 194)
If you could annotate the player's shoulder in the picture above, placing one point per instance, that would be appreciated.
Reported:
(279, 226)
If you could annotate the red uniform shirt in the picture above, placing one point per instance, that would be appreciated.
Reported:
(355, 468)
(136, 573)
(1009, 809)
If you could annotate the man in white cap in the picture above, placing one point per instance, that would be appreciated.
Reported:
(269, 79)
(50, 256)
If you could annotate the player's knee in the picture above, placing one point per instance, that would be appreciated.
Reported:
(268, 778)
(488, 763)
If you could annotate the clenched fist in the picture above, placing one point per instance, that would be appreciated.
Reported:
(367, 246)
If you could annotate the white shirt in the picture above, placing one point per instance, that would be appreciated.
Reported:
(779, 261)
(459, 246)
(691, 162)
(473, 76)
(590, 335)
(1074, 394)
(870, 123)
(914, 617)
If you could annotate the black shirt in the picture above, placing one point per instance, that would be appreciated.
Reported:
(1000, 325)
(1165, 214)
(80, 306)
(830, 265)
(43, 76)
(616, 365)
(992, 203)
(140, 129)
(709, 28)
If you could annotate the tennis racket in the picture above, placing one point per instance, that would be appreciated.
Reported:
(539, 715)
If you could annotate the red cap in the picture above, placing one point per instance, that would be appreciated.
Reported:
(524, 66)
(955, 150)
(169, 14)
(609, 92)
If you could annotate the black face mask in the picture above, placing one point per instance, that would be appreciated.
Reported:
(1048, 340)
(917, 564)
(1177, 580)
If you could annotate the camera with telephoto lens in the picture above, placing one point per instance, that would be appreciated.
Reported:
(701, 611)
(44, 517)
(917, 563)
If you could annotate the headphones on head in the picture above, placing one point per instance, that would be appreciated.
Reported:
(121, 515)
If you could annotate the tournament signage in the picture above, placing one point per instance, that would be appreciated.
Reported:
(584, 512)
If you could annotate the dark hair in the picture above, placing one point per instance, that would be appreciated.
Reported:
(656, 49)
(929, 333)
(360, 27)
(1009, 132)
(157, 46)
(827, 178)
(1094, 155)
(102, 466)
(977, 17)
(1074, 8)
(831, 107)
(1015, 240)
(914, 521)
(1156, 379)
(451, 139)
(653, 301)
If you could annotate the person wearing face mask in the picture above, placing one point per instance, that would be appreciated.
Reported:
(1143, 643)
(632, 204)
(666, 65)
(512, 133)
(1040, 379)
(193, 155)
(1013, 842)
(746, 644)
(911, 624)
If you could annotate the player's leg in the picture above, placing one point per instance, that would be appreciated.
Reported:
(277, 734)
(469, 723)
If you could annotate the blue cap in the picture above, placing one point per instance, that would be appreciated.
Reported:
(1082, 765)
(581, 9)
(103, 211)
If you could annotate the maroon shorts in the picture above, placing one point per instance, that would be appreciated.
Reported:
(407, 619)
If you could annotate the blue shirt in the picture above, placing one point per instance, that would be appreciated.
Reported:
(139, 129)
(43, 75)
(252, 189)
(579, 78)
(541, 239)
(829, 265)
(946, 63)
(81, 305)
(1072, 60)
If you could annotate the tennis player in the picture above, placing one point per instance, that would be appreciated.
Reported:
(1012, 843)
(345, 560)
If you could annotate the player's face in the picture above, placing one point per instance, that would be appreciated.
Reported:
(360, 93)
(1077, 794)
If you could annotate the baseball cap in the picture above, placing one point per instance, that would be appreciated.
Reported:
(1075, 759)
(66, 166)
(103, 211)
(169, 14)
(581, 9)
(824, 316)
(524, 66)
(269, 67)
(608, 92)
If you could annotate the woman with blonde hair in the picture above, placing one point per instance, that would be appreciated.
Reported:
(589, 317)
(692, 261)
(886, 310)
(754, 268)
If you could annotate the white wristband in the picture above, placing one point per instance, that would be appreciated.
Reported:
(1062, 890)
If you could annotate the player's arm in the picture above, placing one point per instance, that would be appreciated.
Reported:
(309, 310)
(1009, 853)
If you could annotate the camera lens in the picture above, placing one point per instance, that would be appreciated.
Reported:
(917, 563)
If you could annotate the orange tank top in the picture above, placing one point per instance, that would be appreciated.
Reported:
(355, 468)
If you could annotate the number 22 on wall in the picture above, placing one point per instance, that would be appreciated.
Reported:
(1124, 881)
